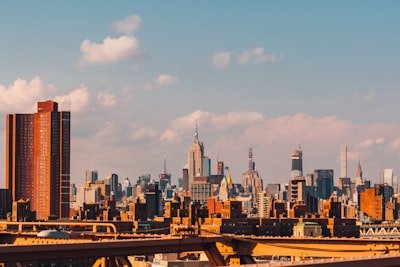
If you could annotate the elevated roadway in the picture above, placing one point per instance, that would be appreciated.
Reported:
(219, 249)
(309, 247)
(71, 249)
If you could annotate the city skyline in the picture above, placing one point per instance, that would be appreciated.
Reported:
(288, 74)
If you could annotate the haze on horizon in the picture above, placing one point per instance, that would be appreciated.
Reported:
(137, 76)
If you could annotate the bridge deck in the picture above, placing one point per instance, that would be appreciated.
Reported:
(111, 248)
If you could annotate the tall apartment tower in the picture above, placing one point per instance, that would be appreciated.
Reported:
(343, 161)
(388, 177)
(38, 159)
(195, 158)
(297, 163)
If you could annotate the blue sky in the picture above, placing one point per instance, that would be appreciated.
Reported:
(251, 73)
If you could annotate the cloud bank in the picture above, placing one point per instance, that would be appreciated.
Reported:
(251, 56)
(22, 96)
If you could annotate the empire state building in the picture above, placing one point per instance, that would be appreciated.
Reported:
(195, 158)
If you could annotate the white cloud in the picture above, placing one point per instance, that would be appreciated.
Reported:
(221, 60)
(236, 118)
(171, 136)
(107, 99)
(128, 25)
(395, 145)
(109, 50)
(186, 124)
(76, 100)
(165, 80)
(298, 128)
(143, 133)
(162, 80)
(22, 95)
(257, 55)
(366, 144)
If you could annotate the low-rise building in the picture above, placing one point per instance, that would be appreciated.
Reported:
(307, 229)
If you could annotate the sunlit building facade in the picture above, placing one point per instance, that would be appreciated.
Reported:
(38, 159)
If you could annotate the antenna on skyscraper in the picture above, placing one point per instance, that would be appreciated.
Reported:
(165, 164)
(196, 135)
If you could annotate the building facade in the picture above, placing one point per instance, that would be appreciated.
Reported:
(195, 158)
(200, 189)
(92, 176)
(251, 179)
(297, 163)
(38, 159)
(343, 161)
(324, 180)
(297, 189)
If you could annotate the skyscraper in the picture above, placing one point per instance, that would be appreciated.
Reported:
(297, 163)
(388, 177)
(153, 198)
(164, 176)
(251, 180)
(297, 189)
(206, 170)
(38, 159)
(114, 183)
(185, 178)
(92, 176)
(343, 161)
(359, 175)
(195, 158)
(223, 190)
(324, 180)
(19, 156)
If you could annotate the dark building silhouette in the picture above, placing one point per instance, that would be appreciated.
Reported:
(185, 178)
(324, 179)
(153, 200)
(5, 203)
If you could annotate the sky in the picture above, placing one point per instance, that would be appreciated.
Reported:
(270, 75)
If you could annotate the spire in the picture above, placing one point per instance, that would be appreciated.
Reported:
(196, 135)
(359, 170)
(165, 164)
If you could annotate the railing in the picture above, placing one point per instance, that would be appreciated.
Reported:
(110, 227)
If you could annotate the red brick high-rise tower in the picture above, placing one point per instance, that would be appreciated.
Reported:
(38, 159)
